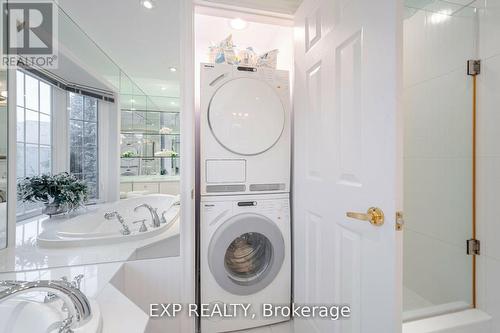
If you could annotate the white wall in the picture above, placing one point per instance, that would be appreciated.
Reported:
(437, 156)
(262, 37)
(489, 161)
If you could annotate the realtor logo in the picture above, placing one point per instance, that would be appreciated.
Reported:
(29, 34)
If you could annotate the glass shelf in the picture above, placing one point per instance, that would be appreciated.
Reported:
(149, 157)
(148, 133)
(150, 111)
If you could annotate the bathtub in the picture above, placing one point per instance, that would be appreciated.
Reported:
(91, 228)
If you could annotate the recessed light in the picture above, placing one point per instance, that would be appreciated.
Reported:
(132, 100)
(238, 24)
(172, 69)
(148, 4)
(163, 88)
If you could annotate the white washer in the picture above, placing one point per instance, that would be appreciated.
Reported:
(245, 257)
(244, 130)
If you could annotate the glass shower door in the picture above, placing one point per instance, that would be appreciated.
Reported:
(439, 38)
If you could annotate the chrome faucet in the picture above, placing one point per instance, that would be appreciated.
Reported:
(77, 304)
(153, 212)
(125, 229)
(163, 220)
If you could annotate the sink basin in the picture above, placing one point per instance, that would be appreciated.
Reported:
(93, 229)
(27, 313)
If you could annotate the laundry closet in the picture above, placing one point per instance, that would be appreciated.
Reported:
(244, 118)
(298, 162)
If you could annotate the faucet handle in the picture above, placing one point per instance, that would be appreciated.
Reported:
(143, 227)
(66, 325)
(77, 281)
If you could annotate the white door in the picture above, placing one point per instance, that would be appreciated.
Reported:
(347, 159)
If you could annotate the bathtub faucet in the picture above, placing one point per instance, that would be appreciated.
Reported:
(125, 230)
(153, 212)
(77, 304)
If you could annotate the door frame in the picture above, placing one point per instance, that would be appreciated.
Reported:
(188, 130)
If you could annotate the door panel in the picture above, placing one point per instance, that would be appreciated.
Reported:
(314, 120)
(348, 72)
(345, 159)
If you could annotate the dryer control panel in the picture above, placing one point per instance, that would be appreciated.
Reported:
(215, 213)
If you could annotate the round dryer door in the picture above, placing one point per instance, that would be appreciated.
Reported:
(246, 253)
(246, 116)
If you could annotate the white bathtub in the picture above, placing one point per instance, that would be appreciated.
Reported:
(92, 228)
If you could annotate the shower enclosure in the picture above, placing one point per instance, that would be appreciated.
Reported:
(439, 182)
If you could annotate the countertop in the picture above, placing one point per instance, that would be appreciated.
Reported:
(148, 179)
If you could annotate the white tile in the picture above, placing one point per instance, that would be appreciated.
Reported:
(488, 200)
(264, 329)
(438, 198)
(434, 47)
(413, 301)
(437, 271)
(492, 296)
(489, 100)
(286, 327)
(489, 20)
(283, 327)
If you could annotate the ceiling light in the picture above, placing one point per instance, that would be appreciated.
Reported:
(148, 4)
(441, 16)
(132, 101)
(4, 93)
(163, 88)
(173, 69)
(238, 24)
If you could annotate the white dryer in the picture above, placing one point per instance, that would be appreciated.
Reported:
(245, 257)
(244, 130)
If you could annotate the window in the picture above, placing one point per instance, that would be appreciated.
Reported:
(34, 130)
(83, 129)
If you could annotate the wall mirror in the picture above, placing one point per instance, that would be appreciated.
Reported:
(3, 158)
(106, 116)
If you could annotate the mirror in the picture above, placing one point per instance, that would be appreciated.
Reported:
(87, 123)
(3, 158)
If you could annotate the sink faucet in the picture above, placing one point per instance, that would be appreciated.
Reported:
(78, 305)
(125, 230)
(154, 214)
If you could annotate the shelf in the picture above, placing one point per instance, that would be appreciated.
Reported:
(149, 133)
(148, 157)
(142, 110)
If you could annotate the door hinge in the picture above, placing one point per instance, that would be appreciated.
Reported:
(473, 67)
(473, 247)
(400, 222)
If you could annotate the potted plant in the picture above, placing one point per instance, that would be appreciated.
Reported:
(61, 193)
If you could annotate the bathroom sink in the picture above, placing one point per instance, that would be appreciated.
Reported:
(93, 229)
(28, 314)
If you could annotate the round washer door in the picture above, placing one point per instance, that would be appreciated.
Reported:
(246, 253)
(246, 116)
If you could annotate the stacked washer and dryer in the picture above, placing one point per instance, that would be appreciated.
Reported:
(245, 237)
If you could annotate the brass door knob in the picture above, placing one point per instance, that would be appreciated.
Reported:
(373, 215)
